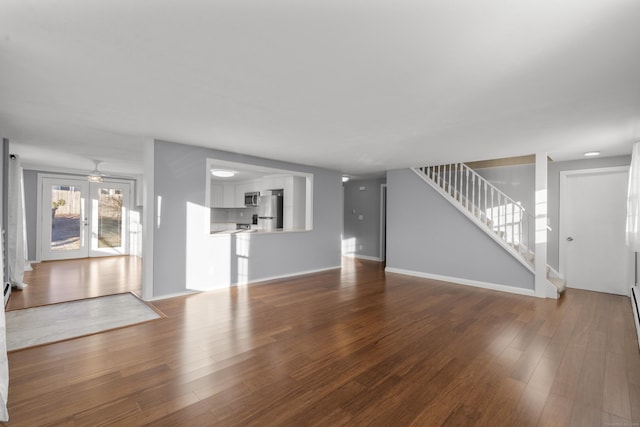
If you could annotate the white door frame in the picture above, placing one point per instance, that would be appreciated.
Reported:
(564, 175)
(39, 194)
(45, 220)
(123, 249)
(383, 222)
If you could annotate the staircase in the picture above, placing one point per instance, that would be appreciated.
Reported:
(502, 218)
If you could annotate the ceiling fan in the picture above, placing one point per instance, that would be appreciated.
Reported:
(95, 175)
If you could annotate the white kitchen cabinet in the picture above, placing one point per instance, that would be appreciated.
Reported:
(229, 195)
(217, 198)
(241, 188)
(275, 182)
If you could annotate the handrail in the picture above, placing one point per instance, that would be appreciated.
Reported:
(491, 206)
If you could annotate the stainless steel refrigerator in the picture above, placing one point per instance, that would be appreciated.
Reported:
(270, 208)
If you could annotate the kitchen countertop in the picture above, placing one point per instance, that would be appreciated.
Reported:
(256, 231)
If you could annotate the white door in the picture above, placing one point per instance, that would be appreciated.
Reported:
(108, 221)
(64, 217)
(593, 254)
(81, 219)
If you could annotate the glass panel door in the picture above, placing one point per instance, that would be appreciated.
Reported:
(64, 219)
(109, 218)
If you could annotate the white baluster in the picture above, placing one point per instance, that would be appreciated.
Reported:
(449, 182)
(473, 192)
(455, 181)
(466, 188)
(486, 217)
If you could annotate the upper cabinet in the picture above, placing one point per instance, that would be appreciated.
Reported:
(229, 192)
(224, 196)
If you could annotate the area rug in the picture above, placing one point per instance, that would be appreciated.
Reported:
(57, 322)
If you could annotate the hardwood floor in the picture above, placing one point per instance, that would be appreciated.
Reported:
(60, 281)
(344, 347)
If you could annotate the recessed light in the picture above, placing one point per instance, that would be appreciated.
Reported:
(222, 173)
(592, 154)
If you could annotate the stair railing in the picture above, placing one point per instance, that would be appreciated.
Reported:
(492, 207)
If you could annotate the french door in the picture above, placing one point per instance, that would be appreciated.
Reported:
(85, 219)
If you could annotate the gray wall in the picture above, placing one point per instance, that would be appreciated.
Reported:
(366, 232)
(426, 233)
(180, 180)
(553, 185)
(31, 208)
(518, 182)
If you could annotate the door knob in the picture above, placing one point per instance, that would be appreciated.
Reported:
(569, 239)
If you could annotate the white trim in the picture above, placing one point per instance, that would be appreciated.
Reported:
(383, 222)
(541, 232)
(285, 276)
(257, 281)
(562, 220)
(367, 257)
(149, 221)
(466, 282)
(175, 295)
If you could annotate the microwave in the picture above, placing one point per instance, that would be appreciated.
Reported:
(251, 199)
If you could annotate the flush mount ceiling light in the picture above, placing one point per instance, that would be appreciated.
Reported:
(345, 178)
(592, 153)
(220, 173)
(95, 175)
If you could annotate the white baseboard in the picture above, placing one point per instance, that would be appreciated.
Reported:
(366, 257)
(177, 294)
(284, 276)
(466, 282)
(257, 281)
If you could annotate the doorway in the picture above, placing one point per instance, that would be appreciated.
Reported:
(593, 253)
(86, 219)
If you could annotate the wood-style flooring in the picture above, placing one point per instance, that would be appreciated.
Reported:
(69, 280)
(344, 347)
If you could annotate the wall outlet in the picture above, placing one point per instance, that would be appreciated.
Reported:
(360, 217)
(360, 247)
(362, 188)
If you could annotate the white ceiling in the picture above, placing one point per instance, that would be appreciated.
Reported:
(358, 86)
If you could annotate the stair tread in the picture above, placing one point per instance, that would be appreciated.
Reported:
(561, 284)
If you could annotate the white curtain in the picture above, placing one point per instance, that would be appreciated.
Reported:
(16, 233)
(633, 201)
(4, 364)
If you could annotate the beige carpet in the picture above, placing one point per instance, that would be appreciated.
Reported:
(56, 322)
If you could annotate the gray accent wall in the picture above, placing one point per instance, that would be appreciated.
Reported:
(427, 234)
(31, 210)
(362, 200)
(181, 254)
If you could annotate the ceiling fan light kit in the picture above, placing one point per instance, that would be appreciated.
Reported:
(95, 175)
